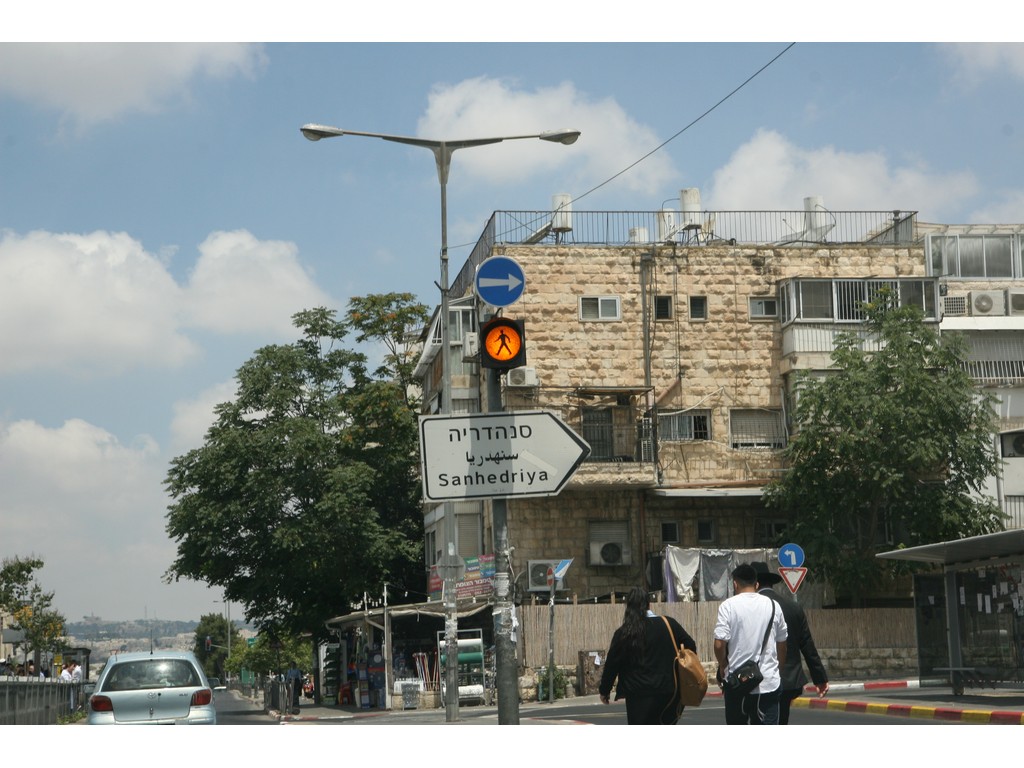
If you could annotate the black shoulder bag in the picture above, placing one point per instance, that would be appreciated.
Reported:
(747, 676)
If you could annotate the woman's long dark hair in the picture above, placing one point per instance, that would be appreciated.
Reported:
(633, 623)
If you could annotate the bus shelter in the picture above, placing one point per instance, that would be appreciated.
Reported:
(970, 609)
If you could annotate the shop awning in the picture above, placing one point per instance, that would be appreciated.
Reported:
(971, 549)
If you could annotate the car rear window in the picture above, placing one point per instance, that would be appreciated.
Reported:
(151, 673)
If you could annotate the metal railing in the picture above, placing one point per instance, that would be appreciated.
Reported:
(28, 701)
(697, 228)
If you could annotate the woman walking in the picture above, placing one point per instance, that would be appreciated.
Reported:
(641, 657)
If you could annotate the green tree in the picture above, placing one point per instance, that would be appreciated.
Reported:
(891, 449)
(215, 627)
(271, 654)
(16, 581)
(305, 493)
(43, 626)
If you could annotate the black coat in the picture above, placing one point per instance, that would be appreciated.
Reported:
(799, 647)
(652, 675)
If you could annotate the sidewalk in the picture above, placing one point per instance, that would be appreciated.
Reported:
(897, 698)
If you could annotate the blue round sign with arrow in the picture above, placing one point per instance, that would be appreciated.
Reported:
(500, 281)
(791, 556)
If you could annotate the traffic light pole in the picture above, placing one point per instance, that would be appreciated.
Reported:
(506, 668)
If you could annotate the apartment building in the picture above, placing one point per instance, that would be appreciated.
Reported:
(669, 340)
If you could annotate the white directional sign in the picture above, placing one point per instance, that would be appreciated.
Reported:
(524, 453)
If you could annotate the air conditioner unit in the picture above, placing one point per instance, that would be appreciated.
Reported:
(537, 575)
(1013, 444)
(522, 377)
(955, 305)
(988, 303)
(610, 553)
(470, 347)
(1015, 300)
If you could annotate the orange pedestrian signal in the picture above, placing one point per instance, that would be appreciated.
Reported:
(502, 344)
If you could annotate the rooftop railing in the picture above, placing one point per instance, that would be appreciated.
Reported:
(784, 229)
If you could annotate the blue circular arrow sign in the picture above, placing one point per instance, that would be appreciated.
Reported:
(500, 281)
(791, 556)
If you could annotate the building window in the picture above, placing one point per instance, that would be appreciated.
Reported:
(685, 425)
(991, 256)
(599, 308)
(670, 532)
(698, 307)
(763, 308)
(598, 430)
(769, 532)
(430, 548)
(662, 307)
(842, 300)
(705, 531)
(753, 429)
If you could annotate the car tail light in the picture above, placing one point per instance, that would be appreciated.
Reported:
(101, 704)
(202, 697)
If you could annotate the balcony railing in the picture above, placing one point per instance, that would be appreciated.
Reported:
(696, 228)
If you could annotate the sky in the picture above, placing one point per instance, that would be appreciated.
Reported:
(162, 217)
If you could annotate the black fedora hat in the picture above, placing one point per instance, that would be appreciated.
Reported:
(765, 576)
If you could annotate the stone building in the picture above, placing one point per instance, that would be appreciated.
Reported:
(669, 340)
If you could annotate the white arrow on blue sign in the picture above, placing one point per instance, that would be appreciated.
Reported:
(791, 556)
(500, 281)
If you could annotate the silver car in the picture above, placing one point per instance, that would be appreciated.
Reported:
(159, 688)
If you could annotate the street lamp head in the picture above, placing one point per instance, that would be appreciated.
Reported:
(315, 132)
(560, 137)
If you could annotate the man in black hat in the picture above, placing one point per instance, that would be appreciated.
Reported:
(800, 644)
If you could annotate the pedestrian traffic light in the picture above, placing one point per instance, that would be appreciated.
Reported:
(209, 643)
(502, 344)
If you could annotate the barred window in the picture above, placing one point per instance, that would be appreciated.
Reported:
(752, 429)
(662, 307)
(685, 425)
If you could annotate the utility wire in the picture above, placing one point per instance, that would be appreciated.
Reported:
(689, 125)
(676, 135)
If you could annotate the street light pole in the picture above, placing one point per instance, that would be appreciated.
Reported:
(443, 151)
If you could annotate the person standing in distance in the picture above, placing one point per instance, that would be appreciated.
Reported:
(800, 644)
(642, 658)
(743, 622)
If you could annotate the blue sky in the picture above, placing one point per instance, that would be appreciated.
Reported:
(161, 217)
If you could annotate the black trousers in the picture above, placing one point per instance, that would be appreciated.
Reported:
(752, 708)
(786, 699)
(651, 710)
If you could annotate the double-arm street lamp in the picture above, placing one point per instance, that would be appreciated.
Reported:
(443, 157)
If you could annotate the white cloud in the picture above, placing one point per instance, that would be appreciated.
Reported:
(192, 418)
(1007, 208)
(92, 508)
(93, 82)
(96, 302)
(481, 107)
(241, 284)
(771, 173)
(975, 61)
(101, 304)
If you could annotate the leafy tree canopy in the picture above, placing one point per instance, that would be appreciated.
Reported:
(891, 449)
(16, 578)
(216, 627)
(271, 654)
(306, 493)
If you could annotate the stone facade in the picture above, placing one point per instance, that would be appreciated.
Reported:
(720, 360)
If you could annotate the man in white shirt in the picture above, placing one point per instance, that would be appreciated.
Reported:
(750, 626)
